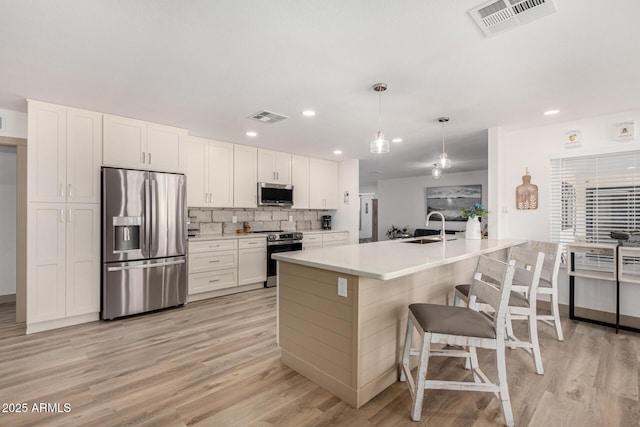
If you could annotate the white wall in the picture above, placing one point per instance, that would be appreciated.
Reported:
(7, 220)
(532, 148)
(402, 201)
(370, 188)
(15, 124)
(347, 217)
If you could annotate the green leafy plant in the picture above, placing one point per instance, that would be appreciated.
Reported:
(477, 210)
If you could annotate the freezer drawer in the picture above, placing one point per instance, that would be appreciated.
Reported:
(141, 286)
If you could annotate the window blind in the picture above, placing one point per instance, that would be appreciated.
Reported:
(591, 196)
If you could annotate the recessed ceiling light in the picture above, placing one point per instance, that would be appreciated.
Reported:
(396, 140)
(252, 133)
(551, 112)
(337, 152)
(309, 113)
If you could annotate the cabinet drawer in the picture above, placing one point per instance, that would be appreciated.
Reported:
(205, 282)
(213, 245)
(311, 238)
(210, 261)
(252, 243)
(331, 237)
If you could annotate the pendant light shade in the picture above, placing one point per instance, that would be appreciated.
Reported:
(379, 145)
(436, 172)
(443, 161)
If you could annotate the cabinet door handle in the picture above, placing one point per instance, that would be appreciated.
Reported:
(149, 157)
(61, 190)
(210, 198)
(69, 190)
(69, 216)
(143, 157)
(62, 215)
(214, 260)
(253, 243)
(214, 280)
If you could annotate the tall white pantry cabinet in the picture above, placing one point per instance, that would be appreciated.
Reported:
(64, 155)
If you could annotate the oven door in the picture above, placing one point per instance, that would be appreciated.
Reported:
(274, 248)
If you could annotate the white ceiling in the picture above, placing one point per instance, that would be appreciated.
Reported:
(206, 65)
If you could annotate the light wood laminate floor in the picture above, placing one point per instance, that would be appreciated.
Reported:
(215, 363)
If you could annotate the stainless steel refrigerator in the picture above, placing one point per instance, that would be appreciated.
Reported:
(144, 241)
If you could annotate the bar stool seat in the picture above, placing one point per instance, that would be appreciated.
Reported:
(443, 319)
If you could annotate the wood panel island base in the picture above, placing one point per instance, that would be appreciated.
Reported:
(351, 344)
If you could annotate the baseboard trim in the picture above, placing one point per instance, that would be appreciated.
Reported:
(223, 292)
(601, 316)
(6, 299)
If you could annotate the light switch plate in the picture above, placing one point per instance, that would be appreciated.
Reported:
(290, 218)
(234, 219)
(342, 287)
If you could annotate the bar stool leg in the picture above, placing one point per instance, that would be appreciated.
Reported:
(502, 383)
(407, 351)
(556, 315)
(472, 361)
(509, 325)
(416, 410)
(535, 344)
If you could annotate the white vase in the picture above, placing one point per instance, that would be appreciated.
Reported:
(473, 229)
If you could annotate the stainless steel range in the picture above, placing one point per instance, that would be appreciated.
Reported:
(279, 241)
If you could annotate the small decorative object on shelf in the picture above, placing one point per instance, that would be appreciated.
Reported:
(246, 227)
(473, 214)
(527, 193)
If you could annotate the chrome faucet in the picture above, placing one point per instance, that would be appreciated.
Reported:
(442, 233)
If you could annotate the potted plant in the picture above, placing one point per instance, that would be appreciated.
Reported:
(473, 214)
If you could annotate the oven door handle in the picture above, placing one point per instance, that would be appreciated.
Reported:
(284, 242)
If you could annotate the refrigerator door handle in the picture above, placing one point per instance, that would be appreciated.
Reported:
(153, 215)
(146, 242)
(142, 266)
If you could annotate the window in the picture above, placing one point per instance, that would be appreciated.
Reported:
(591, 196)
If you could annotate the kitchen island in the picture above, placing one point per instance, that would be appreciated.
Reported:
(342, 310)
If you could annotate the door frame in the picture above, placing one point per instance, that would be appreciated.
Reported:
(21, 223)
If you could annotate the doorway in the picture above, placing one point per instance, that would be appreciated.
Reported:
(368, 218)
(13, 225)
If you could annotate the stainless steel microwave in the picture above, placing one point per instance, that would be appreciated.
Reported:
(275, 194)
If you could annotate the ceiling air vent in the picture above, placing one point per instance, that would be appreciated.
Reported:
(502, 15)
(269, 117)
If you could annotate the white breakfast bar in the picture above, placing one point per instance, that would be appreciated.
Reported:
(350, 342)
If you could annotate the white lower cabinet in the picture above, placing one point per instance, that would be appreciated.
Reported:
(324, 239)
(63, 265)
(226, 266)
(252, 267)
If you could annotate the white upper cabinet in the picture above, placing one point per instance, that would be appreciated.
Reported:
(245, 176)
(323, 184)
(46, 152)
(274, 167)
(64, 154)
(209, 173)
(84, 156)
(136, 144)
(300, 181)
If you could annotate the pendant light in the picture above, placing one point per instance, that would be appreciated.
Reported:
(379, 145)
(436, 172)
(443, 161)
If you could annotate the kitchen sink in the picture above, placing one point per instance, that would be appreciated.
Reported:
(426, 240)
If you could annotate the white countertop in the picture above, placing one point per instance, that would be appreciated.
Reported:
(391, 259)
(322, 231)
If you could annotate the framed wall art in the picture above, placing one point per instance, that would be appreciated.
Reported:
(452, 199)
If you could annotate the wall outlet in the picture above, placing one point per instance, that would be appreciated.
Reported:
(342, 287)
(290, 218)
(234, 219)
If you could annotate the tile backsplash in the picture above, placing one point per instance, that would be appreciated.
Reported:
(219, 220)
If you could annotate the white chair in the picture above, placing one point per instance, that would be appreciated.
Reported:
(462, 326)
(528, 267)
(549, 282)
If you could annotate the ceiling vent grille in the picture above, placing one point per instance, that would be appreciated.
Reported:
(269, 117)
(501, 15)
